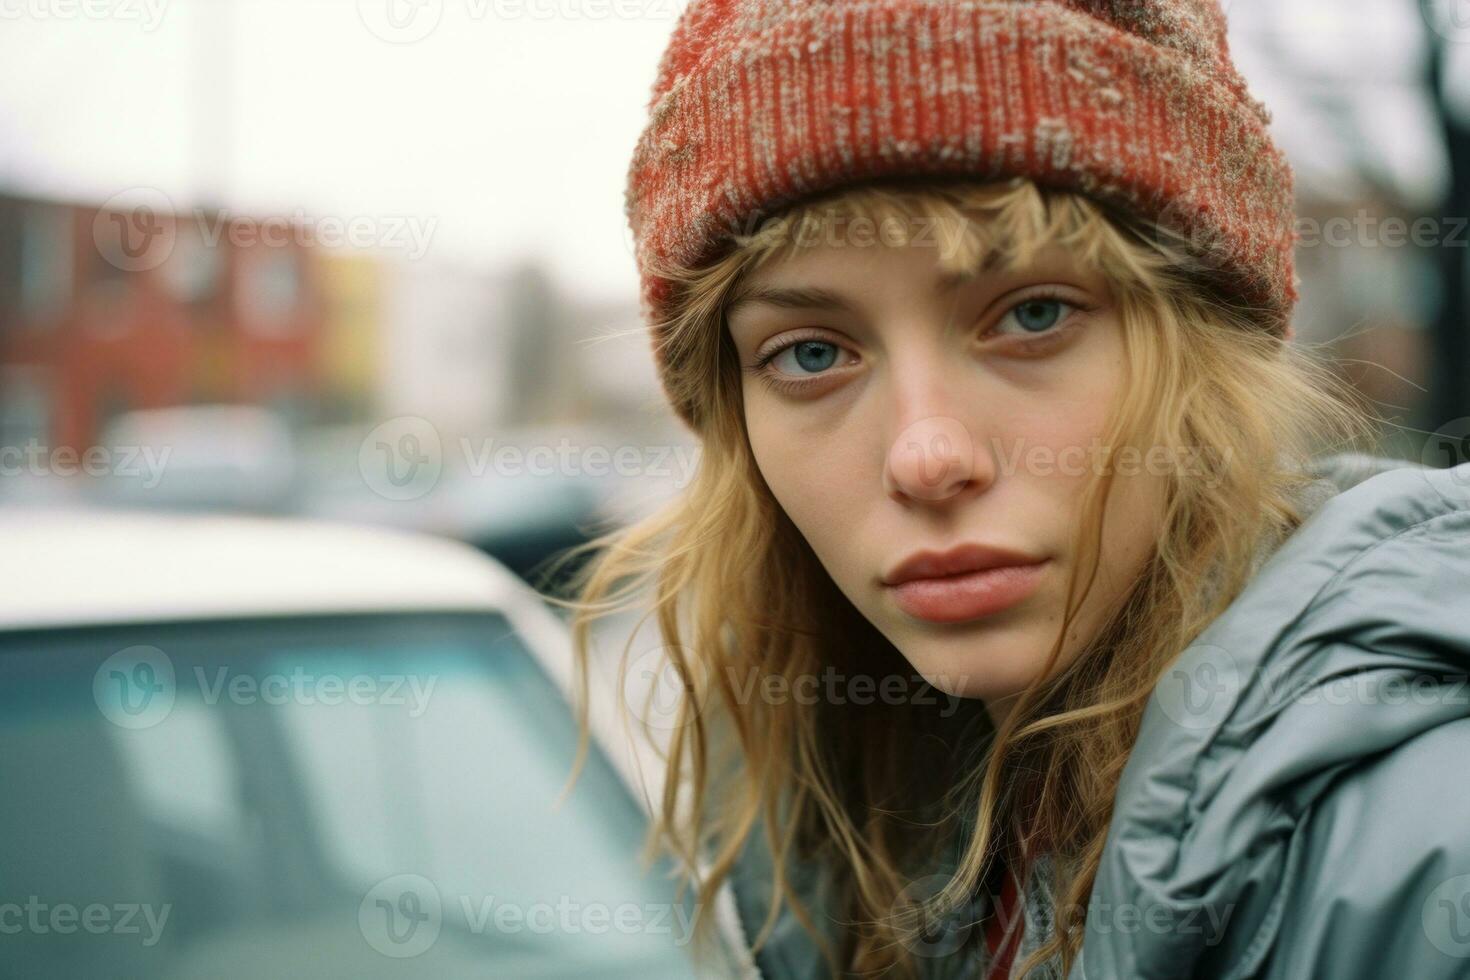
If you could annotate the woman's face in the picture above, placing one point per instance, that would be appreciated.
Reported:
(906, 412)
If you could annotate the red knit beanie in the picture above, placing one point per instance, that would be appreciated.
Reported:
(1135, 103)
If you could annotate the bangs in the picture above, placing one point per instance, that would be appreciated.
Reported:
(976, 227)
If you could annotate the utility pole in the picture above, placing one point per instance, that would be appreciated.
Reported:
(213, 105)
(1450, 343)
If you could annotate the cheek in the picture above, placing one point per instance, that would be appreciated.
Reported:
(1134, 525)
(1055, 440)
(820, 480)
(1075, 411)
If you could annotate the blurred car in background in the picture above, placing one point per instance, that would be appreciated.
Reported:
(519, 523)
(247, 459)
(522, 513)
(202, 457)
(253, 747)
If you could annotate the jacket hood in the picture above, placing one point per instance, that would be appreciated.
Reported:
(1351, 639)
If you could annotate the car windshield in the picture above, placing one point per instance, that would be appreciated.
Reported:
(357, 797)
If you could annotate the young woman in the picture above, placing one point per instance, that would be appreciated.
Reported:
(1025, 555)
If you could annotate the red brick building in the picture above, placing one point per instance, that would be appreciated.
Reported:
(104, 311)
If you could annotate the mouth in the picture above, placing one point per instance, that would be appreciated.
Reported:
(965, 596)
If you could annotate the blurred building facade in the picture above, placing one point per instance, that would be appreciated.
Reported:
(1347, 83)
(106, 312)
(102, 313)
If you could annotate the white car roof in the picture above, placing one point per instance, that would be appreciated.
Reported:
(71, 567)
(93, 567)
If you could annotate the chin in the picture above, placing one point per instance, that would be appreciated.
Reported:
(980, 688)
(982, 671)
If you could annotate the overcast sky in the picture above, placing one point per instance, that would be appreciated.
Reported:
(506, 124)
(511, 133)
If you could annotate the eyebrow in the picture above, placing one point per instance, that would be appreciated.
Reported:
(815, 298)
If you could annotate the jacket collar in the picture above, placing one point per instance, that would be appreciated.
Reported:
(1238, 740)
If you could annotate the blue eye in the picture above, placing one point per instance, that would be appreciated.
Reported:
(811, 356)
(1038, 314)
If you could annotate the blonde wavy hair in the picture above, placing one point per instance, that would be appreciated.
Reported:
(737, 592)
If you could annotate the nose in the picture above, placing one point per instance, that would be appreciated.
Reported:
(935, 458)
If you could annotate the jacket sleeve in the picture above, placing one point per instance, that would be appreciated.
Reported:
(1380, 884)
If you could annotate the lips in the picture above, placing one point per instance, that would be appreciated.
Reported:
(967, 557)
(964, 583)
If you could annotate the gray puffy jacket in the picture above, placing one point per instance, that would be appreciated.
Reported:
(1298, 801)
(1297, 804)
